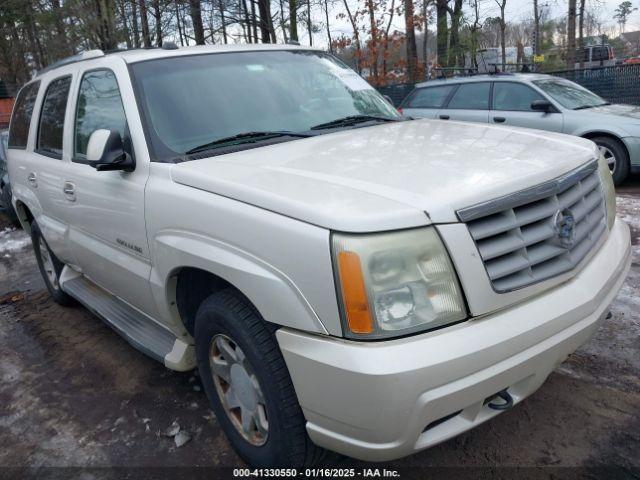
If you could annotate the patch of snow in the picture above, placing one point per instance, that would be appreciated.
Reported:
(13, 240)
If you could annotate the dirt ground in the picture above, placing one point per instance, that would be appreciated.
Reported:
(74, 394)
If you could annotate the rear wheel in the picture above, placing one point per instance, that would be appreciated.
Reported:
(616, 157)
(50, 267)
(248, 385)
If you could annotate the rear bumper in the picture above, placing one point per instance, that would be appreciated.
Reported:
(374, 400)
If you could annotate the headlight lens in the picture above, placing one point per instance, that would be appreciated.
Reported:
(395, 283)
(608, 190)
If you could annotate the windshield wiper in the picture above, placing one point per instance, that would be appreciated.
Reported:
(353, 120)
(246, 137)
(583, 107)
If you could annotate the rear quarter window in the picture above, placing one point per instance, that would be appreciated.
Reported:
(429, 97)
(21, 118)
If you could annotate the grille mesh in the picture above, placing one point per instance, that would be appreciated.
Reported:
(519, 243)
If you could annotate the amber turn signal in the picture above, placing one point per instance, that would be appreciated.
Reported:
(354, 293)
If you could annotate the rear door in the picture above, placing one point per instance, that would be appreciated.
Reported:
(469, 103)
(425, 102)
(512, 106)
(47, 167)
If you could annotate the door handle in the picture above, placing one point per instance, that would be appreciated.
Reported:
(69, 190)
(443, 117)
(33, 180)
(499, 119)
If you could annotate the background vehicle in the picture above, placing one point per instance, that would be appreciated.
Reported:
(270, 238)
(596, 56)
(6, 206)
(535, 101)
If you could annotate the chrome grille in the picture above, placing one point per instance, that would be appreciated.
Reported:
(519, 236)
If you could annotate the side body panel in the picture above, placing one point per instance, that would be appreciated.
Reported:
(270, 258)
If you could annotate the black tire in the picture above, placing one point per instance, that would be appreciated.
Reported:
(621, 170)
(287, 444)
(8, 207)
(60, 297)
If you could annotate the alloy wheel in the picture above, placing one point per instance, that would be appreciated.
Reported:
(47, 263)
(238, 389)
(609, 157)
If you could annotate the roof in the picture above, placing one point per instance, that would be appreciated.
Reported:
(500, 77)
(140, 54)
(631, 37)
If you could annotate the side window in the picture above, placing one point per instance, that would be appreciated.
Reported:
(21, 119)
(51, 128)
(99, 107)
(514, 96)
(471, 96)
(430, 97)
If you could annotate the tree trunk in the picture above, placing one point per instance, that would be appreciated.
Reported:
(536, 27)
(265, 14)
(309, 26)
(454, 33)
(326, 15)
(125, 25)
(581, 34)
(224, 23)
(410, 41)
(282, 22)
(144, 22)
(254, 21)
(373, 43)
(293, 20)
(178, 22)
(385, 45)
(442, 31)
(425, 37)
(503, 28)
(571, 35)
(356, 36)
(157, 15)
(196, 18)
(134, 24)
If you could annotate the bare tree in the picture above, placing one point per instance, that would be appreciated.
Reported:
(442, 35)
(410, 40)
(293, 20)
(571, 35)
(503, 26)
(195, 10)
(144, 22)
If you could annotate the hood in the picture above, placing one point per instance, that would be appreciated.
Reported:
(628, 111)
(388, 176)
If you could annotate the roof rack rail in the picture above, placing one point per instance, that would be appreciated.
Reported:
(86, 55)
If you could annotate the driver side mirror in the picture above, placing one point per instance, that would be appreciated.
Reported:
(542, 106)
(105, 152)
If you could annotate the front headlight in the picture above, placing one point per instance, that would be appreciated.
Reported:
(395, 283)
(608, 190)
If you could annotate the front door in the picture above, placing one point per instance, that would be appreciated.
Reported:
(107, 208)
(512, 106)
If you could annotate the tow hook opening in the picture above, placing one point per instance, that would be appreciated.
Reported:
(500, 401)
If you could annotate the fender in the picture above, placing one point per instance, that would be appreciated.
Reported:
(272, 292)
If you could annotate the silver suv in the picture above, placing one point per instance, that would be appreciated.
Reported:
(535, 101)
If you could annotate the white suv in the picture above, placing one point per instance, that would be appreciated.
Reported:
(343, 278)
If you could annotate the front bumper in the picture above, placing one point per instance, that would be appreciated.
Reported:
(375, 400)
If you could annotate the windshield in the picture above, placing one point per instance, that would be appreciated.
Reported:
(190, 101)
(569, 94)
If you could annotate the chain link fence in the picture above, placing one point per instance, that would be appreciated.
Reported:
(616, 84)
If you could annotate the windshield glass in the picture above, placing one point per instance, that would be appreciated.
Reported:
(569, 94)
(189, 101)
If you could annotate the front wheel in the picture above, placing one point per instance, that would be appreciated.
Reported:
(616, 157)
(248, 385)
(50, 267)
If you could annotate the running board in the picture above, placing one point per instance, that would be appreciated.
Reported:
(138, 329)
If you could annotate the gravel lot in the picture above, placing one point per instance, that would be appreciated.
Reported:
(73, 393)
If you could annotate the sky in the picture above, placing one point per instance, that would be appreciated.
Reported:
(516, 10)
